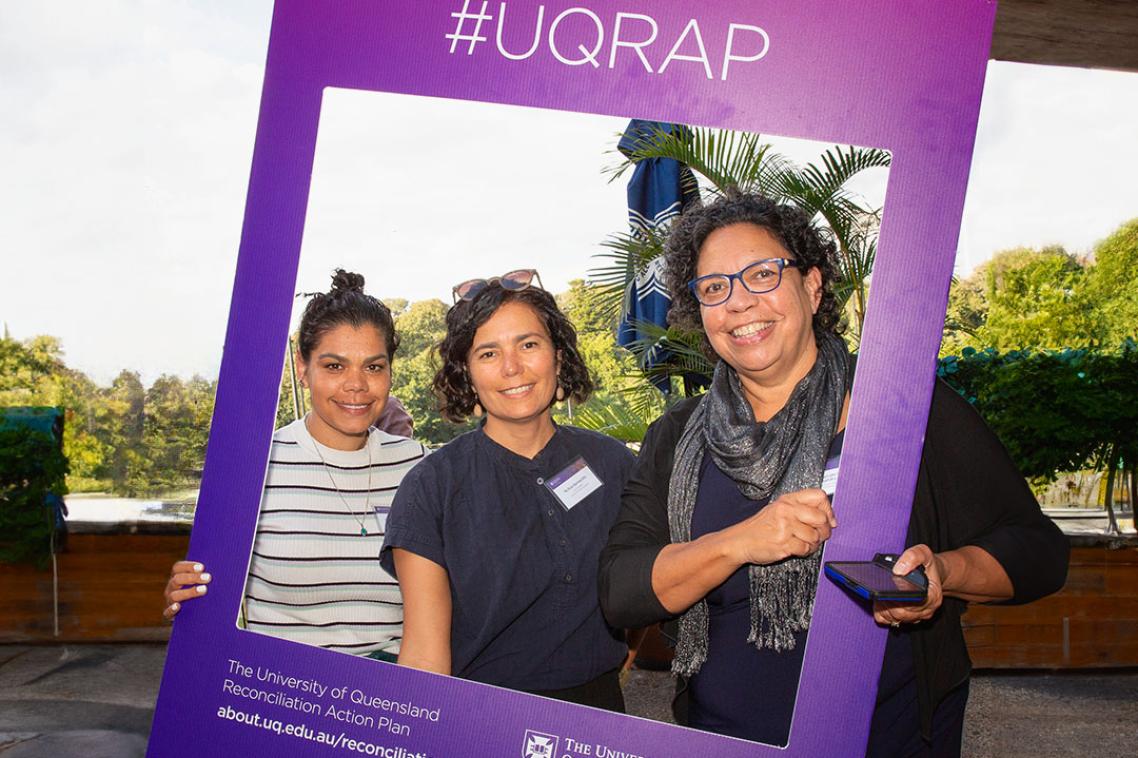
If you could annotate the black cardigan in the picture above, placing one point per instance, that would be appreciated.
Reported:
(968, 493)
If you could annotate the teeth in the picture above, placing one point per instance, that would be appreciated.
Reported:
(749, 329)
(516, 390)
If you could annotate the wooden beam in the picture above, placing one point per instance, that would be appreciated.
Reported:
(1083, 33)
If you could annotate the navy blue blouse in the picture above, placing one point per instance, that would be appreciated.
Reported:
(522, 567)
(724, 695)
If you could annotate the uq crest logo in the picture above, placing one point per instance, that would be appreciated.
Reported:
(539, 745)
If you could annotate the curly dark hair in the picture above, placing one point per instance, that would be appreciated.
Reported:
(345, 303)
(808, 245)
(452, 383)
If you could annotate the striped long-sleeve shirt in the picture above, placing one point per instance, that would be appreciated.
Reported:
(315, 576)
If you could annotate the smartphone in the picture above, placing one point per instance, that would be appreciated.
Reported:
(874, 580)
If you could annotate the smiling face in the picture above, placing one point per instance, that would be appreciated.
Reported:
(348, 374)
(513, 367)
(767, 338)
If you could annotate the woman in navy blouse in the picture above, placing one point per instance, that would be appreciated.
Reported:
(495, 538)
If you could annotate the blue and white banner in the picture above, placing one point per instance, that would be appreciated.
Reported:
(659, 190)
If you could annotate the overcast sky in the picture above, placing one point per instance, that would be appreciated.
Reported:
(127, 133)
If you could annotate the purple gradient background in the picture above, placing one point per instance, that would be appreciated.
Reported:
(905, 75)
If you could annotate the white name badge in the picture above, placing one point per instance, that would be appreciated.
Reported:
(381, 512)
(830, 481)
(573, 483)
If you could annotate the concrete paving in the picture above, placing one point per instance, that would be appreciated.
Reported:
(94, 701)
(1010, 715)
(97, 701)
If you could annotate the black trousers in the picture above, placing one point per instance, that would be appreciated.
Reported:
(602, 692)
(895, 731)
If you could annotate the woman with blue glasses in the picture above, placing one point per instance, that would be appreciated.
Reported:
(495, 538)
(724, 515)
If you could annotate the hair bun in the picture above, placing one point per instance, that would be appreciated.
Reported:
(346, 281)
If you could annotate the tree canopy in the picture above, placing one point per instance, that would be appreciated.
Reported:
(1048, 299)
(124, 438)
(1111, 286)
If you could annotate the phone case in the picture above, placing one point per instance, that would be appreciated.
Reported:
(874, 580)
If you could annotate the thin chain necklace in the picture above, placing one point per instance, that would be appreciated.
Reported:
(328, 471)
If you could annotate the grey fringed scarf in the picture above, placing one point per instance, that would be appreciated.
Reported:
(785, 454)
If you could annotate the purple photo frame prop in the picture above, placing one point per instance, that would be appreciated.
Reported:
(904, 75)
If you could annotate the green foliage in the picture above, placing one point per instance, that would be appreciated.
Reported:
(820, 191)
(31, 466)
(123, 438)
(32, 373)
(587, 309)
(622, 405)
(1055, 411)
(627, 256)
(725, 158)
(291, 401)
(396, 305)
(1111, 286)
(1048, 299)
(685, 351)
(413, 379)
(422, 326)
(175, 431)
(966, 314)
(1033, 302)
(121, 431)
(619, 418)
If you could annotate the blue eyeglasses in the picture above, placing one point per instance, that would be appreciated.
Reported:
(761, 276)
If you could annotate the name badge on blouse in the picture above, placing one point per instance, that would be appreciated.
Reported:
(830, 481)
(573, 483)
(830, 476)
(381, 512)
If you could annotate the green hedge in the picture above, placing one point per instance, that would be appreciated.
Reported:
(1055, 411)
(32, 468)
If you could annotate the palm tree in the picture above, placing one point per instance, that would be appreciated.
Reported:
(728, 159)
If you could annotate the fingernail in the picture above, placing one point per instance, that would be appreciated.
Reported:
(201, 588)
(198, 567)
(206, 577)
(174, 606)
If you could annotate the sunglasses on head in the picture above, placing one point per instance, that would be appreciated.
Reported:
(514, 281)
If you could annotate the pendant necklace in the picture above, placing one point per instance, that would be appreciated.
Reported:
(328, 471)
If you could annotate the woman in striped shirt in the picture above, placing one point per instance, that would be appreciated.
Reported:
(314, 576)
